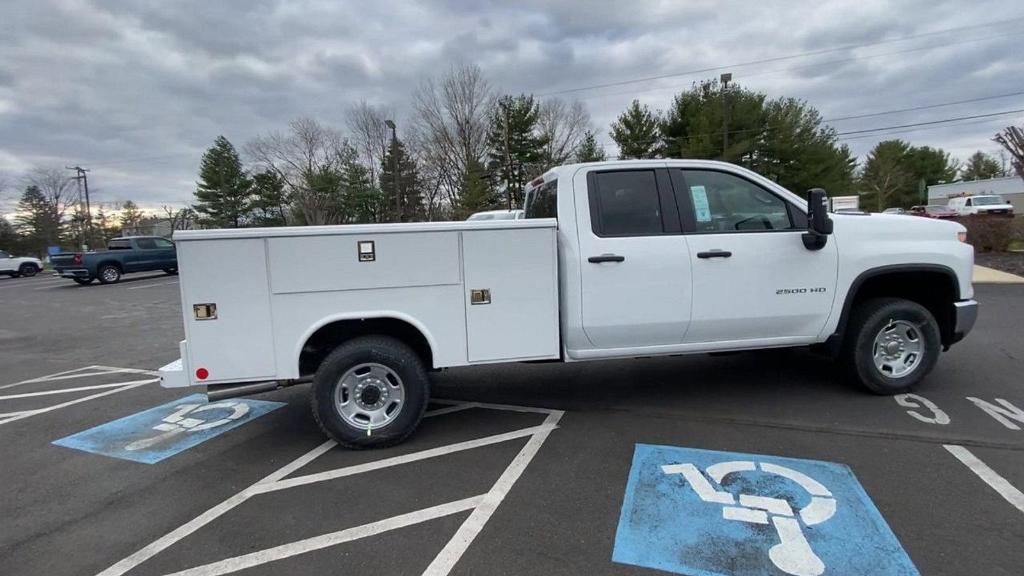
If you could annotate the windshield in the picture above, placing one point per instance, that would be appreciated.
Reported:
(988, 200)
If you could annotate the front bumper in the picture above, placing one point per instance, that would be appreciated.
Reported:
(966, 313)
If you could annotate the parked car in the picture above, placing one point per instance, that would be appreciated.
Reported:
(982, 204)
(15, 266)
(933, 211)
(496, 215)
(894, 211)
(619, 259)
(122, 256)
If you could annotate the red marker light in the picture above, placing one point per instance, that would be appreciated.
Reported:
(202, 373)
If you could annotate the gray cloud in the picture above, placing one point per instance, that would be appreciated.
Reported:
(136, 91)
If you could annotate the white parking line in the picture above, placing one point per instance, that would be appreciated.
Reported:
(153, 285)
(125, 386)
(78, 373)
(66, 390)
(404, 459)
(988, 475)
(483, 506)
(283, 551)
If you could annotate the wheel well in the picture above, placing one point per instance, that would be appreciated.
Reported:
(330, 336)
(113, 263)
(935, 289)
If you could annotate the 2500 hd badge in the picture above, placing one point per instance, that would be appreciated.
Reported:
(782, 291)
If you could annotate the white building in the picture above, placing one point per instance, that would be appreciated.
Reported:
(1010, 188)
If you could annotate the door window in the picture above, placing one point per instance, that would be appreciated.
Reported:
(722, 202)
(163, 244)
(146, 243)
(626, 203)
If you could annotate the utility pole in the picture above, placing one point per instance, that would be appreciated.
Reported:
(394, 169)
(508, 162)
(726, 77)
(83, 181)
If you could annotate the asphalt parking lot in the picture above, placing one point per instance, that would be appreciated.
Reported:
(524, 469)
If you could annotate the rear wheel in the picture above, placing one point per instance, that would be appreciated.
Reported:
(891, 345)
(370, 392)
(28, 270)
(109, 274)
(171, 271)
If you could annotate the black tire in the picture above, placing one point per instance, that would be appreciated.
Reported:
(867, 322)
(395, 356)
(171, 271)
(109, 274)
(28, 270)
(83, 281)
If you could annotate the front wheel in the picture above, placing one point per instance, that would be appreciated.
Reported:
(370, 392)
(891, 345)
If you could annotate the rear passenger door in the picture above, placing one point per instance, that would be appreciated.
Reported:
(166, 257)
(752, 277)
(146, 255)
(635, 263)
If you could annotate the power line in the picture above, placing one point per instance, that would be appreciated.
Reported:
(816, 64)
(779, 58)
(927, 107)
(918, 129)
(943, 121)
(867, 115)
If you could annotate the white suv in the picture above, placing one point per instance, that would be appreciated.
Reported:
(19, 266)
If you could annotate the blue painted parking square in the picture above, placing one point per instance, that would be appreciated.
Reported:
(709, 513)
(161, 432)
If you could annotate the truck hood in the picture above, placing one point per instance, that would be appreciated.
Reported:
(896, 227)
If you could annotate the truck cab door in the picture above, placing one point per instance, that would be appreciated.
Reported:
(165, 258)
(753, 279)
(635, 265)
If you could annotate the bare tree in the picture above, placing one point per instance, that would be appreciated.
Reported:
(58, 190)
(450, 125)
(562, 125)
(306, 158)
(1012, 139)
(180, 218)
(370, 135)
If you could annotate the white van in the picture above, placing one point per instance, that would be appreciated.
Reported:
(982, 204)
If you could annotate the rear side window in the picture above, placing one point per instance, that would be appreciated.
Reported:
(625, 203)
(119, 245)
(164, 244)
(542, 202)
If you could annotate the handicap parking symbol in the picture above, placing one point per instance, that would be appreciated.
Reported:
(157, 433)
(710, 513)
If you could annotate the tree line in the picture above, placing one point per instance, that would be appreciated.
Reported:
(465, 147)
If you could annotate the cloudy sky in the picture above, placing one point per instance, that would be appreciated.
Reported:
(136, 90)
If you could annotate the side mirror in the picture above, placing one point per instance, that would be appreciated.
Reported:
(819, 225)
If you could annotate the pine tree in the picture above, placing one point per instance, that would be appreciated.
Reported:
(516, 148)
(224, 191)
(636, 132)
(981, 166)
(130, 217)
(364, 202)
(476, 191)
(38, 221)
(589, 150)
(269, 200)
(409, 192)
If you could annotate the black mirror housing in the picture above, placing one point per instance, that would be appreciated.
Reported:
(819, 225)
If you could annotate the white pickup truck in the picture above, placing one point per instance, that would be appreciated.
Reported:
(613, 260)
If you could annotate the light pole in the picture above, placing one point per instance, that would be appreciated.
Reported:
(726, 77)
(394, 169)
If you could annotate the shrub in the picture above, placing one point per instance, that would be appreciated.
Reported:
(990, 233)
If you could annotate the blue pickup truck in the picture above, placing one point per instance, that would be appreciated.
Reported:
(122, 256)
